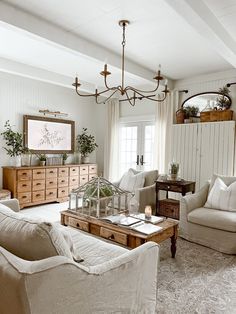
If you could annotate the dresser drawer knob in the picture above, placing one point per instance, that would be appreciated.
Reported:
(24, 184)
(51, 171)
(51, 182)
(38, 183)
(77, 225)
(39, 172)
(112, 237)
(50, 193)
(37, 195)
(24, 196)
(63, 191)
(73, 169)
(24, 173)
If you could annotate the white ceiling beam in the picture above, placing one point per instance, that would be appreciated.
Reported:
(67, 40)
(197, 14)
(17, 68)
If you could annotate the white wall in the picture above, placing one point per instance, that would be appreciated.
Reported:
(20, 96)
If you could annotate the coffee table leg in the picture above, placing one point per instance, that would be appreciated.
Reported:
(173, 246)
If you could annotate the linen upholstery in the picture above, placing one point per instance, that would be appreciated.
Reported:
(121, 281)
(130, 181)
(222, 196)
(13, 204)
(192, 228)
(30, 239)
(145, 195)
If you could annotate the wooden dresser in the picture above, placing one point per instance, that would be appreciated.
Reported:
(39, 185)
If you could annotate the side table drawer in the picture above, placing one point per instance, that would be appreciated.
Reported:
(169, 187)
(113, 235)
(169, 208)
(77, 223)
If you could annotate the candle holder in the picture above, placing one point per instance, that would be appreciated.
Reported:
(148, 212)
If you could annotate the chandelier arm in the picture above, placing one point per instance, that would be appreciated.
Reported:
(143, 91)
(130, 98)
(154, 99)
(84, 95)
(104, 101)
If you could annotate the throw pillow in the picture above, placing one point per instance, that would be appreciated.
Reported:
(31, 239)
(131, 182)
(222, 196)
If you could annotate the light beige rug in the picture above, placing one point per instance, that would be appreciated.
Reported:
(198, 280)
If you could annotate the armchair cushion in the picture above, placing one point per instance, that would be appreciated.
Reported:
(130, 181)
(213, 218)
(31, 239)
(227, 180)
(222, 196)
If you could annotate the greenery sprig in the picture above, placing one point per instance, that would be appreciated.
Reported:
(86, 143)
(14, 141)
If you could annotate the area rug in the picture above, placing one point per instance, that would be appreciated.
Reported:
(198, 280)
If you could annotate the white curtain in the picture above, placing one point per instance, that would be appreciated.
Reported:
(111, 147)
(164, 118)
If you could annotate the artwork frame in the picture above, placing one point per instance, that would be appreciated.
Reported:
(61, 137)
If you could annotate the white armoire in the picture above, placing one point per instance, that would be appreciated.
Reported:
(203, 149)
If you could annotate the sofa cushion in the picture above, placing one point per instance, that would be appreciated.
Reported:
(131, 182)
(222, 196)
(31, 239)
(213, 218)
(92, 250)
(227, 180)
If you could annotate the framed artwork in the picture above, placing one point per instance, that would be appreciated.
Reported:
(44, 135)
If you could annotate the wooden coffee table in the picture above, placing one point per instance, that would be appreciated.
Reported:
(120, 234)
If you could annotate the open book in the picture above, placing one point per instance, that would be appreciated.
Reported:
(121, 220)
(146, 228)
(153, 219)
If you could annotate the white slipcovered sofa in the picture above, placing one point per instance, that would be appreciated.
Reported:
(214, 228)
(111, 279)
(142, 184)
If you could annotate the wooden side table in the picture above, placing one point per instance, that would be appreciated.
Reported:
(170, 207)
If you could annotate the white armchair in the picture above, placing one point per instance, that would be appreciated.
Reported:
(210, 227)
(145, 195)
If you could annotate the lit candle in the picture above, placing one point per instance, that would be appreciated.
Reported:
(166, 82)
(148, 212)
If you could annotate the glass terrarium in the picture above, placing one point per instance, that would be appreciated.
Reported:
(98, 198)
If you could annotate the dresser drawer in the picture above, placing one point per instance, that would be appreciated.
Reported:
(72, 187)
(83, 170)
(113, 235)
(92, 176)
(51, 173)
(63, 192)
(38, 196)
(51, 194)
(169, 208)
(24, 197)
(24, 175)
(77, 223)
(74, 181)
(74, 171)
(38, 174)
(24, 186)
(92, 169)
(83, 180)
(63, 172)
(38, 185)
(51, 183)
(62, 181)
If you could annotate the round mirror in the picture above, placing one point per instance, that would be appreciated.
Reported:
(208, 101)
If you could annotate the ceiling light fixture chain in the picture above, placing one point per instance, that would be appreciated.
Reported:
(131, 93)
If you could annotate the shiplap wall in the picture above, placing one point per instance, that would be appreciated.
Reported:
(19, 96)
(202, 149)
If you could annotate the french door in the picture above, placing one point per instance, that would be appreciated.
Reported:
(136, 146)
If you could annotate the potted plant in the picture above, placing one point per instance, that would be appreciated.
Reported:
(42, 159)
(173, 170)
(190, 112)
(14, 143)
(86, 145)
(223, 102)
(64, 158)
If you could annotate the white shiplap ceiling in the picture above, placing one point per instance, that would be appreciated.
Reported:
(157, 34)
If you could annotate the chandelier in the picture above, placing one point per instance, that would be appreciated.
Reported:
(130, 93)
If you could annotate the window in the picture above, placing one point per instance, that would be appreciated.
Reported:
(136, 146)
